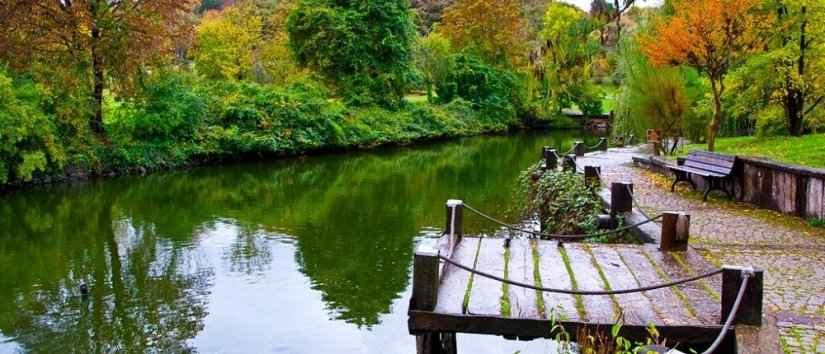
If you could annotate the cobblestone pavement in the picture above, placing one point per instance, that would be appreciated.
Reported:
(791, 252)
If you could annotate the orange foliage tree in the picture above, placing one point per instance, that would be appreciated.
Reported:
(495, 28)
(711, 36)
(98, 39)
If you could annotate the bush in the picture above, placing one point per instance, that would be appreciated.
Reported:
(169, 107)
(28, 143)
(562, 200)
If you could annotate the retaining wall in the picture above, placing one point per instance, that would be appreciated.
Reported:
(786, 188)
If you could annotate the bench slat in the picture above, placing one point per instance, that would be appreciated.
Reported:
(705, 167)
(698, 172)
(712, 162)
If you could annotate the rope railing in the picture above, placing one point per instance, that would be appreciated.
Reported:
(559, 236)
(579, 292)
(746, 274)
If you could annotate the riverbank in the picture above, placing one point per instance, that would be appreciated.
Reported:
(181, 125)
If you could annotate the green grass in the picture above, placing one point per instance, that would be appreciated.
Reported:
(537, 278)
(416, 98)
(505, 288)
(808, 150)
(466, 303)
(574, 285)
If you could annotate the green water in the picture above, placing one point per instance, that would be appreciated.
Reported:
(300, 255)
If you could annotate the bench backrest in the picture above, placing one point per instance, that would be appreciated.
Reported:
(708, 161)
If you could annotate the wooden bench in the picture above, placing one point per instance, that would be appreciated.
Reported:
(717, 170)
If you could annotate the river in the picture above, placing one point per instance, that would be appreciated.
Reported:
(295, 255)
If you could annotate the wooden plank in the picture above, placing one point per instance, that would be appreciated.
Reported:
(427, 322)
(705, 308)
(636, 308)
(751, 186)
(522, 300)
(454, 280)
(665, 301)
(815, 198)
(554, 275)
(485, 297)
(598, 308)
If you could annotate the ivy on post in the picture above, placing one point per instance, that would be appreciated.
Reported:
(750, 309)
(675, 231)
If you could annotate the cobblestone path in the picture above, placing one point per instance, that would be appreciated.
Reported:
(791, 252)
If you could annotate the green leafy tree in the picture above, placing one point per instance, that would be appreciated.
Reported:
(27, 136)
(364, 48)
(565, 68)
(432, 59)
(790, 74)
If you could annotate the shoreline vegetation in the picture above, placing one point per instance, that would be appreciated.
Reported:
(183, 122)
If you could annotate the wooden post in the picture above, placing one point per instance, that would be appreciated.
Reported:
(606, 222)
(603, 144)
(551, 160)
(579, 149)
(455, 226)
(425, 278)
(620, 141)
(592, 174)
(621, 197)
(568, 163)
(750, 309)
(675, 232)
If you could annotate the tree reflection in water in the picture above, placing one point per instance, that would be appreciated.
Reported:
(141, 244)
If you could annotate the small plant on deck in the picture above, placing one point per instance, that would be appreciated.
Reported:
(562, 200)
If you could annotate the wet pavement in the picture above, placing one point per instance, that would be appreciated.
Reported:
(791, 252)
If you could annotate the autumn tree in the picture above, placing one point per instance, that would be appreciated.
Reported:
(104, 40)
(495, 29)
(710, 35)
(226, 43)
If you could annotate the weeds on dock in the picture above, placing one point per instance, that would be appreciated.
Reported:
(599, 342)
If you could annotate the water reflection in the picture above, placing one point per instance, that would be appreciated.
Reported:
(260, 257)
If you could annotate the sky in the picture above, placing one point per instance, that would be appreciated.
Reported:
(585, 4)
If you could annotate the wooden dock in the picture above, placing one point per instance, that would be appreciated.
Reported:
(448, 299)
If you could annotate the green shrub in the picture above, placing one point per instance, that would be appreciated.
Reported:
(28, 143)
(562, 200)
(168, 107)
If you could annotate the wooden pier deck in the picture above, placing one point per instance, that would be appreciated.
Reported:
(448, 299)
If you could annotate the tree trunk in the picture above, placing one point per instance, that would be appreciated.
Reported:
(793, 102)
(97, 72)
(713, 128)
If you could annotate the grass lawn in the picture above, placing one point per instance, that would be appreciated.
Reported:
(808, 150)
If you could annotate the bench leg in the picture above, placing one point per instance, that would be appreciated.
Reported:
(682, 177)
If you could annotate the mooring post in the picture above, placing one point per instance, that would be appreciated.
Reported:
(750, 309)
(621, 197)
(455, 218)
(675, 231)
(568, 163)
(592, 175)
(620, 141)
(425, 295)
(579, 148)
(551, 160)
(603, 144)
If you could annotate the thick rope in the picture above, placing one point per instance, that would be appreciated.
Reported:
(745, 276)
(579, 292)
(558, 236)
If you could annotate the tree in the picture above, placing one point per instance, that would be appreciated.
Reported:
(564, 68)
(495, 29)
(798, 60)
(103, 39)
(432, 58)
(602, 12)
(711, 36)
(226, 43)
(362, 47)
